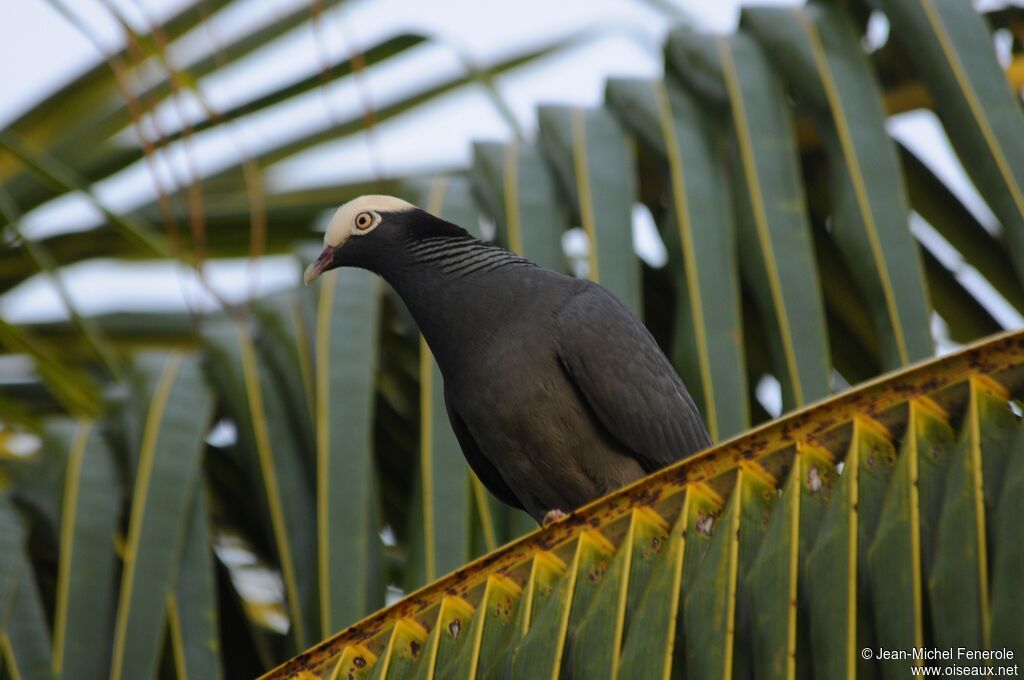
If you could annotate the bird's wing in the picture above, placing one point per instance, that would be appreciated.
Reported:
(626, 380)
(483, 468)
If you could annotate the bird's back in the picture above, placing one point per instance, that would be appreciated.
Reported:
(627, 380)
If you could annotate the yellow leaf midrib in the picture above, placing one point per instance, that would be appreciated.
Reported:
(147, 456)
(977, 110)
(254, 397)
(73, 478)
(856, 178)
(678, 180)
(760, 216)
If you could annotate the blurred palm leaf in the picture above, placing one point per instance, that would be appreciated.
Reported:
(280, 468)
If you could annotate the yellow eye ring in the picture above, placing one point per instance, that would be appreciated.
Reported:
(364, 220)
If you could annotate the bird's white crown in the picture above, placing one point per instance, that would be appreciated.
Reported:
(344, 223)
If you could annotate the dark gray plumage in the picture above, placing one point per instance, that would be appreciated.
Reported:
(556, 392)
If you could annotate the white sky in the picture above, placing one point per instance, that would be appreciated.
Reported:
(40, 50)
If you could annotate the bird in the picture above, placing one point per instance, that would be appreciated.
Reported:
(556, 392)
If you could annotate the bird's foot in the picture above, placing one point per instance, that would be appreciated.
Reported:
(552, 517)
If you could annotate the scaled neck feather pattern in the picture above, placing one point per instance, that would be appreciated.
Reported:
(459, 256)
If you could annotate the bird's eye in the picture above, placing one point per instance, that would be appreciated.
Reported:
(364, 220)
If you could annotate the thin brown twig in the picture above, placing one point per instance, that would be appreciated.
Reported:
(193, 190)
(138, 56)
(252, 175)
(137, 112)
(251, 172)
(358, 61)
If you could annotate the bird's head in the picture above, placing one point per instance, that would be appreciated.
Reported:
(362, 231)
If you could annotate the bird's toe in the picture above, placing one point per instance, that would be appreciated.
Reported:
(552, 516)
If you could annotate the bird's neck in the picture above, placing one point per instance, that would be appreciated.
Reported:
(458, 289)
